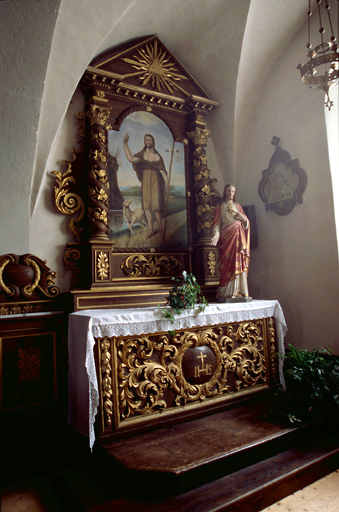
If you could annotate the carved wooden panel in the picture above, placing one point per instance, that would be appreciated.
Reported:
(32, 361)
(148, 379)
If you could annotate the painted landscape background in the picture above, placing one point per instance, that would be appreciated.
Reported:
(137, 125)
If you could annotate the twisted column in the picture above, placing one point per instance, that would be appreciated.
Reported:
(98, 185)
(202, 185)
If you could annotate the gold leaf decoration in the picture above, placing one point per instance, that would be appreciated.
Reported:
(106, 370)
(102, 265)
(155, 67)
(211, 263)
(150, 266)
(68, 202)
(151, 376)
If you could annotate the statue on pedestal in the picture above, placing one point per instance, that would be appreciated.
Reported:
(231, 234)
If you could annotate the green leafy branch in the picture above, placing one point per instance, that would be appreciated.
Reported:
(185, 294)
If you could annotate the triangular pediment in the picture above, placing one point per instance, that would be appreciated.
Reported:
(147, 64)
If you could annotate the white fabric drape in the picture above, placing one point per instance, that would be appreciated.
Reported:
(85, 326)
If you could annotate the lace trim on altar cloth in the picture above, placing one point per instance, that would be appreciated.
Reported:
(126, 322)
(93, 399)
(149, 320)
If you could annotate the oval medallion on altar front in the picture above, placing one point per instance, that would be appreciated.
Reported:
(199, 364)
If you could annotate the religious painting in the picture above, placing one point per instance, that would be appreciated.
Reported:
(282, 183)
(146, 172)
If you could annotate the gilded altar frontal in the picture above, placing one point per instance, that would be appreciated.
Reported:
(146, 379)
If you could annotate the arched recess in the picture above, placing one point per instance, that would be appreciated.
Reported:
(83, 30)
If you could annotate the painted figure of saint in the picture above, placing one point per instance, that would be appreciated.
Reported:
(151, 172)
(231, 233)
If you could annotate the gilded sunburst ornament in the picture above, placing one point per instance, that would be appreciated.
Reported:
(155, 66)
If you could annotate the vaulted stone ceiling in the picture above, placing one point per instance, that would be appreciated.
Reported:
(229, 46)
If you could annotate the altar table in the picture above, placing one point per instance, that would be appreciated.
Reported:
(90, 387)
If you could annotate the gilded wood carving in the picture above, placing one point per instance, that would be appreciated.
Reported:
(152, 265)
(28, 279)
(140, 80)
(163, 372)
(67, 190)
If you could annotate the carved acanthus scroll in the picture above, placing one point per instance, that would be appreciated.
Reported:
(34, 276)
(67, 200)
(151, 265)
(106, 379)
(162, 371)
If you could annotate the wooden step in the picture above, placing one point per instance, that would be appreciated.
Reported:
(186, 446)
(234, 460)
(184, 456)
(247, 490)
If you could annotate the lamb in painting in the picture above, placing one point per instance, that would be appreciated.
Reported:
(132, 217)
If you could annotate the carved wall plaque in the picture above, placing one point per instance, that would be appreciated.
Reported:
(282, 183)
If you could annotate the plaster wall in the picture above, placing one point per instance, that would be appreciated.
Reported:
(297, 258)
(43, 55)
(25, 40)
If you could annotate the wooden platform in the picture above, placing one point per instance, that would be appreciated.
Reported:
(189, 446)
(235, 460)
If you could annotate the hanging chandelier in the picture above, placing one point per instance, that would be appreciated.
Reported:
(321, 70)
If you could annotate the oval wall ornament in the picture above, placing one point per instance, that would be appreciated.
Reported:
(282, 183)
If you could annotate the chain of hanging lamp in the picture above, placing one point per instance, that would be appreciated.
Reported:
(321, 70)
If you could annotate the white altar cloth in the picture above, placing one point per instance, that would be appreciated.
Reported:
(86, 325)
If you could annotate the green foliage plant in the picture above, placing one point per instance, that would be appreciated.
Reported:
(312, 386)
(185, 294)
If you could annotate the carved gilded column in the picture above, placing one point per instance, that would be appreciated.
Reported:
(205, 263)
(202, 184)
(98, 184)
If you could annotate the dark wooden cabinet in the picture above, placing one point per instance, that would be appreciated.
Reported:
(33, 359)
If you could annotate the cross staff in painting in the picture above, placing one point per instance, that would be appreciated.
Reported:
(231, 233)
(151, 172)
